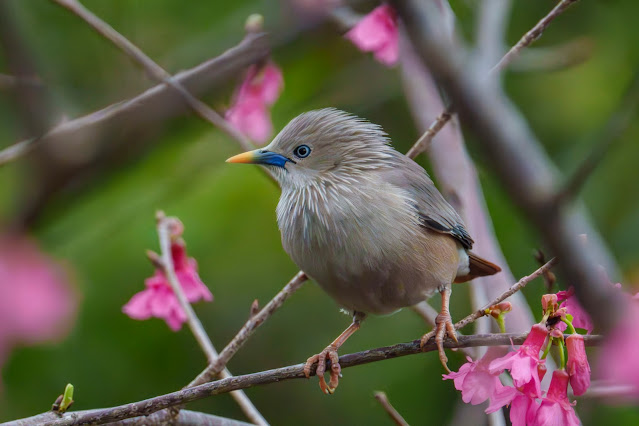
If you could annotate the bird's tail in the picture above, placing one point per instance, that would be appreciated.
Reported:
(478, 267)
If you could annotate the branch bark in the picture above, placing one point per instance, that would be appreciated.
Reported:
(152, 405)
(150, 108)
(517, 159)
(249, 328)
(194, 323)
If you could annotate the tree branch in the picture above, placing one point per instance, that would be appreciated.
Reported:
(444, 117)
(532, 35)
(164, 225)
(185, 417)
(151, 107)
(388, 407)
(517, 159)
(512, 290)
(247, 330)
(154, 70)
(152, 405)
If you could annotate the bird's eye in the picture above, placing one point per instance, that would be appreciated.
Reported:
(302, 151)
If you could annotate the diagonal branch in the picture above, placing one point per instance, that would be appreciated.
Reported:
(249, 328)
(390, 410)
(164, 234)
(527, 39)
(517, 159)
(152, 106)
(153, 69)
(152, 405)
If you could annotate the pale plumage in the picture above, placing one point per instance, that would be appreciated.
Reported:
(363, 220)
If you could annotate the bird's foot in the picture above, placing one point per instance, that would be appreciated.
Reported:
(330, 353)
(443, 326)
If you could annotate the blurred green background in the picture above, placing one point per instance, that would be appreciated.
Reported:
(101, 223)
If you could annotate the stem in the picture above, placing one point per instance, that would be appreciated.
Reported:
(547, 349)
(562, 353)
(194, 322)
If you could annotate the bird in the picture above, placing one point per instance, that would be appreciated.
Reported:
(366, 223)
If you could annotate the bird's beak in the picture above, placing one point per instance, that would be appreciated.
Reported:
(260, 156)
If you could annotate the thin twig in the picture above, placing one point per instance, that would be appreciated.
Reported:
(388, 407)
(512, 290)
(143, 109)
(532, 35)
(164, 234)
(157, 403)
(390, 410)
(249, 327)
(611, 133)
(444, 117)
(518, 160)
(424, 141)
(202, 338)
(154, 70)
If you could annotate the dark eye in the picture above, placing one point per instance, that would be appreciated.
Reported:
(302, 151)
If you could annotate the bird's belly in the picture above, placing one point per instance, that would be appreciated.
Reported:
(380, 286)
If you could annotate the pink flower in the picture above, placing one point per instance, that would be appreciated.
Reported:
(523, 363)
(577, 365)
(555, 409)
(618, 363)
(581, 319)
(37, 302)
(377, 32)
(250, 110)
(474, 380)
(523, 405)
(158, 299)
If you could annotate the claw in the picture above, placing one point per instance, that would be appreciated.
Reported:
(331, 353)
(444, 327)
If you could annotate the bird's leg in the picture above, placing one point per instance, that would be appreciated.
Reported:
(443, 326)
(330, 352)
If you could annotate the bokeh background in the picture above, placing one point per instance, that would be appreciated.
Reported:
(101, 220)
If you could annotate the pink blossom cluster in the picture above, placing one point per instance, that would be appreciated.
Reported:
(479, 381)
(249, 112)
(158, 299)
(377, 32)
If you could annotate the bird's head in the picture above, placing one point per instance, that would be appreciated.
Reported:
(323, 144)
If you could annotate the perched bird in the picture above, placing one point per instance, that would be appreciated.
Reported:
(365, 222)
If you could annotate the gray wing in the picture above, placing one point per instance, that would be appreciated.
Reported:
(434, 211)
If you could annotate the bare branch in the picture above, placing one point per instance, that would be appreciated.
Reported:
(517, 159)
(186, 417)
(388, 407)
(492, 22)
(512, 290)
(152, 106)
(152, 405)
(154, 70)
(444, 117)
(424, 141)
(164, 225)
(247, 330)
(532, 35)
(164, 235)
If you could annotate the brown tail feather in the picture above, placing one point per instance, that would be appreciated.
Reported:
(478, 268)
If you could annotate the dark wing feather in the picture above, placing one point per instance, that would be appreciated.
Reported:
(434, 211)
